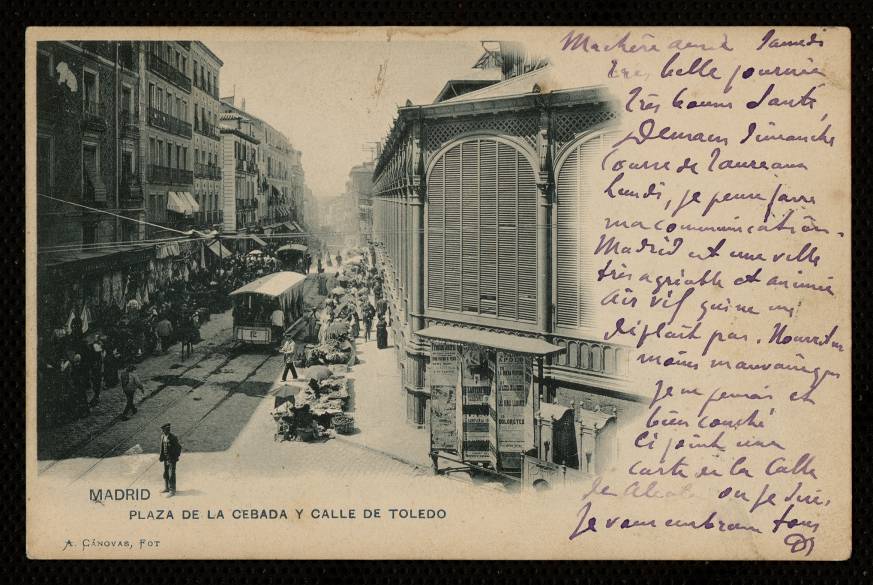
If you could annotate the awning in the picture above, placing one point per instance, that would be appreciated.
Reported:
(294, 247)
(218, 249)
(167, 250)
(83, 262)
(259, 241)
(195, 207)
(292, 226)
(504, 341)
(178, 203)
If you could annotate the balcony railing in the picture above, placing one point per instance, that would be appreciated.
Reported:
(244, 166)
(168, 72)
(203, 86)
(160, 174)
(168, 123)
(202, 171)
(129, 121)
(206, 129)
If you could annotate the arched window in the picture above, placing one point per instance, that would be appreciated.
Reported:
(575, 194)
(481, 231)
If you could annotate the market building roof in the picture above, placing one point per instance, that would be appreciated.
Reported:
(504, 341)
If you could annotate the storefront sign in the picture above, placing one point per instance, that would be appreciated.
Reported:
(475, 396)
(442, 377)
(510, 401)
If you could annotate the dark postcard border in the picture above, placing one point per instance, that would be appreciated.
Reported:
(18, 15)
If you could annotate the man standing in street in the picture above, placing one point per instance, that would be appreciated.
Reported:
(288, 350)
(170, 452)
(129, 384)
(369, 312)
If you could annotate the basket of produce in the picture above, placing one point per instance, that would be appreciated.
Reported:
(343, 424)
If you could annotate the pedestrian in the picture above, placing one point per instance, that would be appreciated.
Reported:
(97, 370)
(164, 329)
(129, 384)
(381, 333)
(356, 325)
(369, 312)
(79, 387)
(289, 348)
(170, 452)
(277, 320)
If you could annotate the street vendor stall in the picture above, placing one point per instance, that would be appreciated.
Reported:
(255, 303)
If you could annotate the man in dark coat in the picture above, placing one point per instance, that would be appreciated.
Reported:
(170, 452)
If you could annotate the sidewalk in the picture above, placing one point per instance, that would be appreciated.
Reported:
(379, 407)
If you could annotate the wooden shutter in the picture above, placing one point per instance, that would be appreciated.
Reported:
(452, 250)
(575, 277)
(527, 241)
(436, 235)
(507, 231)
(470, 226)
(488, 227)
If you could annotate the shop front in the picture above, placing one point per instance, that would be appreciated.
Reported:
(484, 396)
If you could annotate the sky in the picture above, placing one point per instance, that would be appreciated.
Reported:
(331, 98)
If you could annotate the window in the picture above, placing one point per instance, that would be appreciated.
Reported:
(127, 100)
(178, 157)
(184, 64)
(169, 155)
(44, 162)
(195, 72)
(90, 91)
(159, 102)
(184, 157)
(481, 231)
(168, 108)
(89, 233)
(151, 95)
(93, 188)
(572, 263)
(160, 152)
(153, 158)
(196, 120)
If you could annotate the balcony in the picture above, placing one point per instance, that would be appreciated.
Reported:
(55, 102)
(168, 123)
(130, 192)
(202, 171)
(94, 118)
(168, 72)
(206, 129)
(170, 176)
(129, 122)
(247, 167)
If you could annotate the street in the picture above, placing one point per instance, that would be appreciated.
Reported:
(218, 402)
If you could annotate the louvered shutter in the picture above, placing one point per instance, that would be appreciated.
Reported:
(452, 251)
(470, 226)
(488, 227)
(507, 232)
(574, 263)
(436, 235)
(527, 241)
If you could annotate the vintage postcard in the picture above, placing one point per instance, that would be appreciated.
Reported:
(439, 293)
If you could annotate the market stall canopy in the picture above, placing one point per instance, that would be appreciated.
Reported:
(272, 284)
(216, 248)
(255, 253)
(292, 248)
(503, 341)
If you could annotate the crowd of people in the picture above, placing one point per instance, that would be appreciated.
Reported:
(101, 351)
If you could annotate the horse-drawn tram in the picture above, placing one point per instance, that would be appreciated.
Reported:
(265, 307)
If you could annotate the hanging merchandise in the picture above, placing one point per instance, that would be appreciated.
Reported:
(86, 318)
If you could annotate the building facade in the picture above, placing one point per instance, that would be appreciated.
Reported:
(360, 186)
(206, 67)
(239, 177)
(478, 208)
(166, 95)
(88, 151)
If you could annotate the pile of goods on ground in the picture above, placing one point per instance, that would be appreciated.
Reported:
(304, 410)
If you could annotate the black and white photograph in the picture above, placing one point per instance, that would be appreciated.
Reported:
(332, 291)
